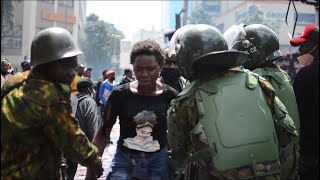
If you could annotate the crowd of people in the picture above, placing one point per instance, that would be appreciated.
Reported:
(212, 105)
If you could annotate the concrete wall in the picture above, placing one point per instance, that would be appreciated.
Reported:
(29, 21)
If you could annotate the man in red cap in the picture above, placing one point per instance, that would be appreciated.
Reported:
(306, 87)
(107, 86)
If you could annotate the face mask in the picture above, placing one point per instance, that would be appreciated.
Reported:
(170, 75)
(305, 60)
(112, 78)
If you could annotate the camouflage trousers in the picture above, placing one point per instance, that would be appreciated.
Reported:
(267, 171)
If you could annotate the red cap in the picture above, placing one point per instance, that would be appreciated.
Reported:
(310, 33)
(110, 72)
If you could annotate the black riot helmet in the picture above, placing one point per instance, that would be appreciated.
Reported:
(200, 46)
(258, 41)
(52, 44)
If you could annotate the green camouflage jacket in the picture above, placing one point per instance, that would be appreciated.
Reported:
(36, 127)
(183, 116)
(282, 85)
(13, 80)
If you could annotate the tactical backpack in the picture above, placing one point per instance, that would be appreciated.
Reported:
(236, 122)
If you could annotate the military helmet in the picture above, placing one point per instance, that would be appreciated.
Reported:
(52, 44)
(258, 41)
(200, 47)
(174, 42)
(170, 58)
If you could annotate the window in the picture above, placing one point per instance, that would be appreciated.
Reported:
(11, 39)
(211, 6)
(49, 1)
(68, 3)
(305, 19)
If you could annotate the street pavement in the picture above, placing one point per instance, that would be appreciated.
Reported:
(106, 157)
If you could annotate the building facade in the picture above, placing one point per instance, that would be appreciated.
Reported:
(228, 13)
(125, 50)
(154, 35)
(33, 16)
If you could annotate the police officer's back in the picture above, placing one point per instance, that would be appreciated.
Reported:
(262, 46)
(224, 121)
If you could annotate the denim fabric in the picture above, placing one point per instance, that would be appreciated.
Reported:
(149, 166)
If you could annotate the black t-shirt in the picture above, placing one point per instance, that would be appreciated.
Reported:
(126, 105)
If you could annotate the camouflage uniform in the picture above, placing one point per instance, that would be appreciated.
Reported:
(282, 85)
(36, 127)
(13, 80)
(183, 116)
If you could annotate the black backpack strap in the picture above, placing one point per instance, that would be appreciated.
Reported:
(4, 93)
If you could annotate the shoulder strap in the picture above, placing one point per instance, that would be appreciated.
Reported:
(267, 88)
(4, 93)
(269, 92)
(187, 90)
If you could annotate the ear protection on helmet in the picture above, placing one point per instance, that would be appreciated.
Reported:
(244, 42)
(235, 36)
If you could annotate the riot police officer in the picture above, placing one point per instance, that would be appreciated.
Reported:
(262, 46)
(225, 121)
(36, 121)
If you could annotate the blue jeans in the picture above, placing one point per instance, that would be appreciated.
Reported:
(149, 166)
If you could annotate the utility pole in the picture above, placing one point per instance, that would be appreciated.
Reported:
(185, 12)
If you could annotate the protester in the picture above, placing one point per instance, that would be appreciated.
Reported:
(97, 87)
(11, 69)
(261, 61)
(87, 114)
(107, 86)
(25, 66)
(170, 73)
(80, 72)
(211, 132)
(5, 73)
(306, 88)
(87, 72)
(127, 76)
(139, 102)
(36, 121)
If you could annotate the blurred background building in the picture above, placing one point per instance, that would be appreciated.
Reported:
(34, 16)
